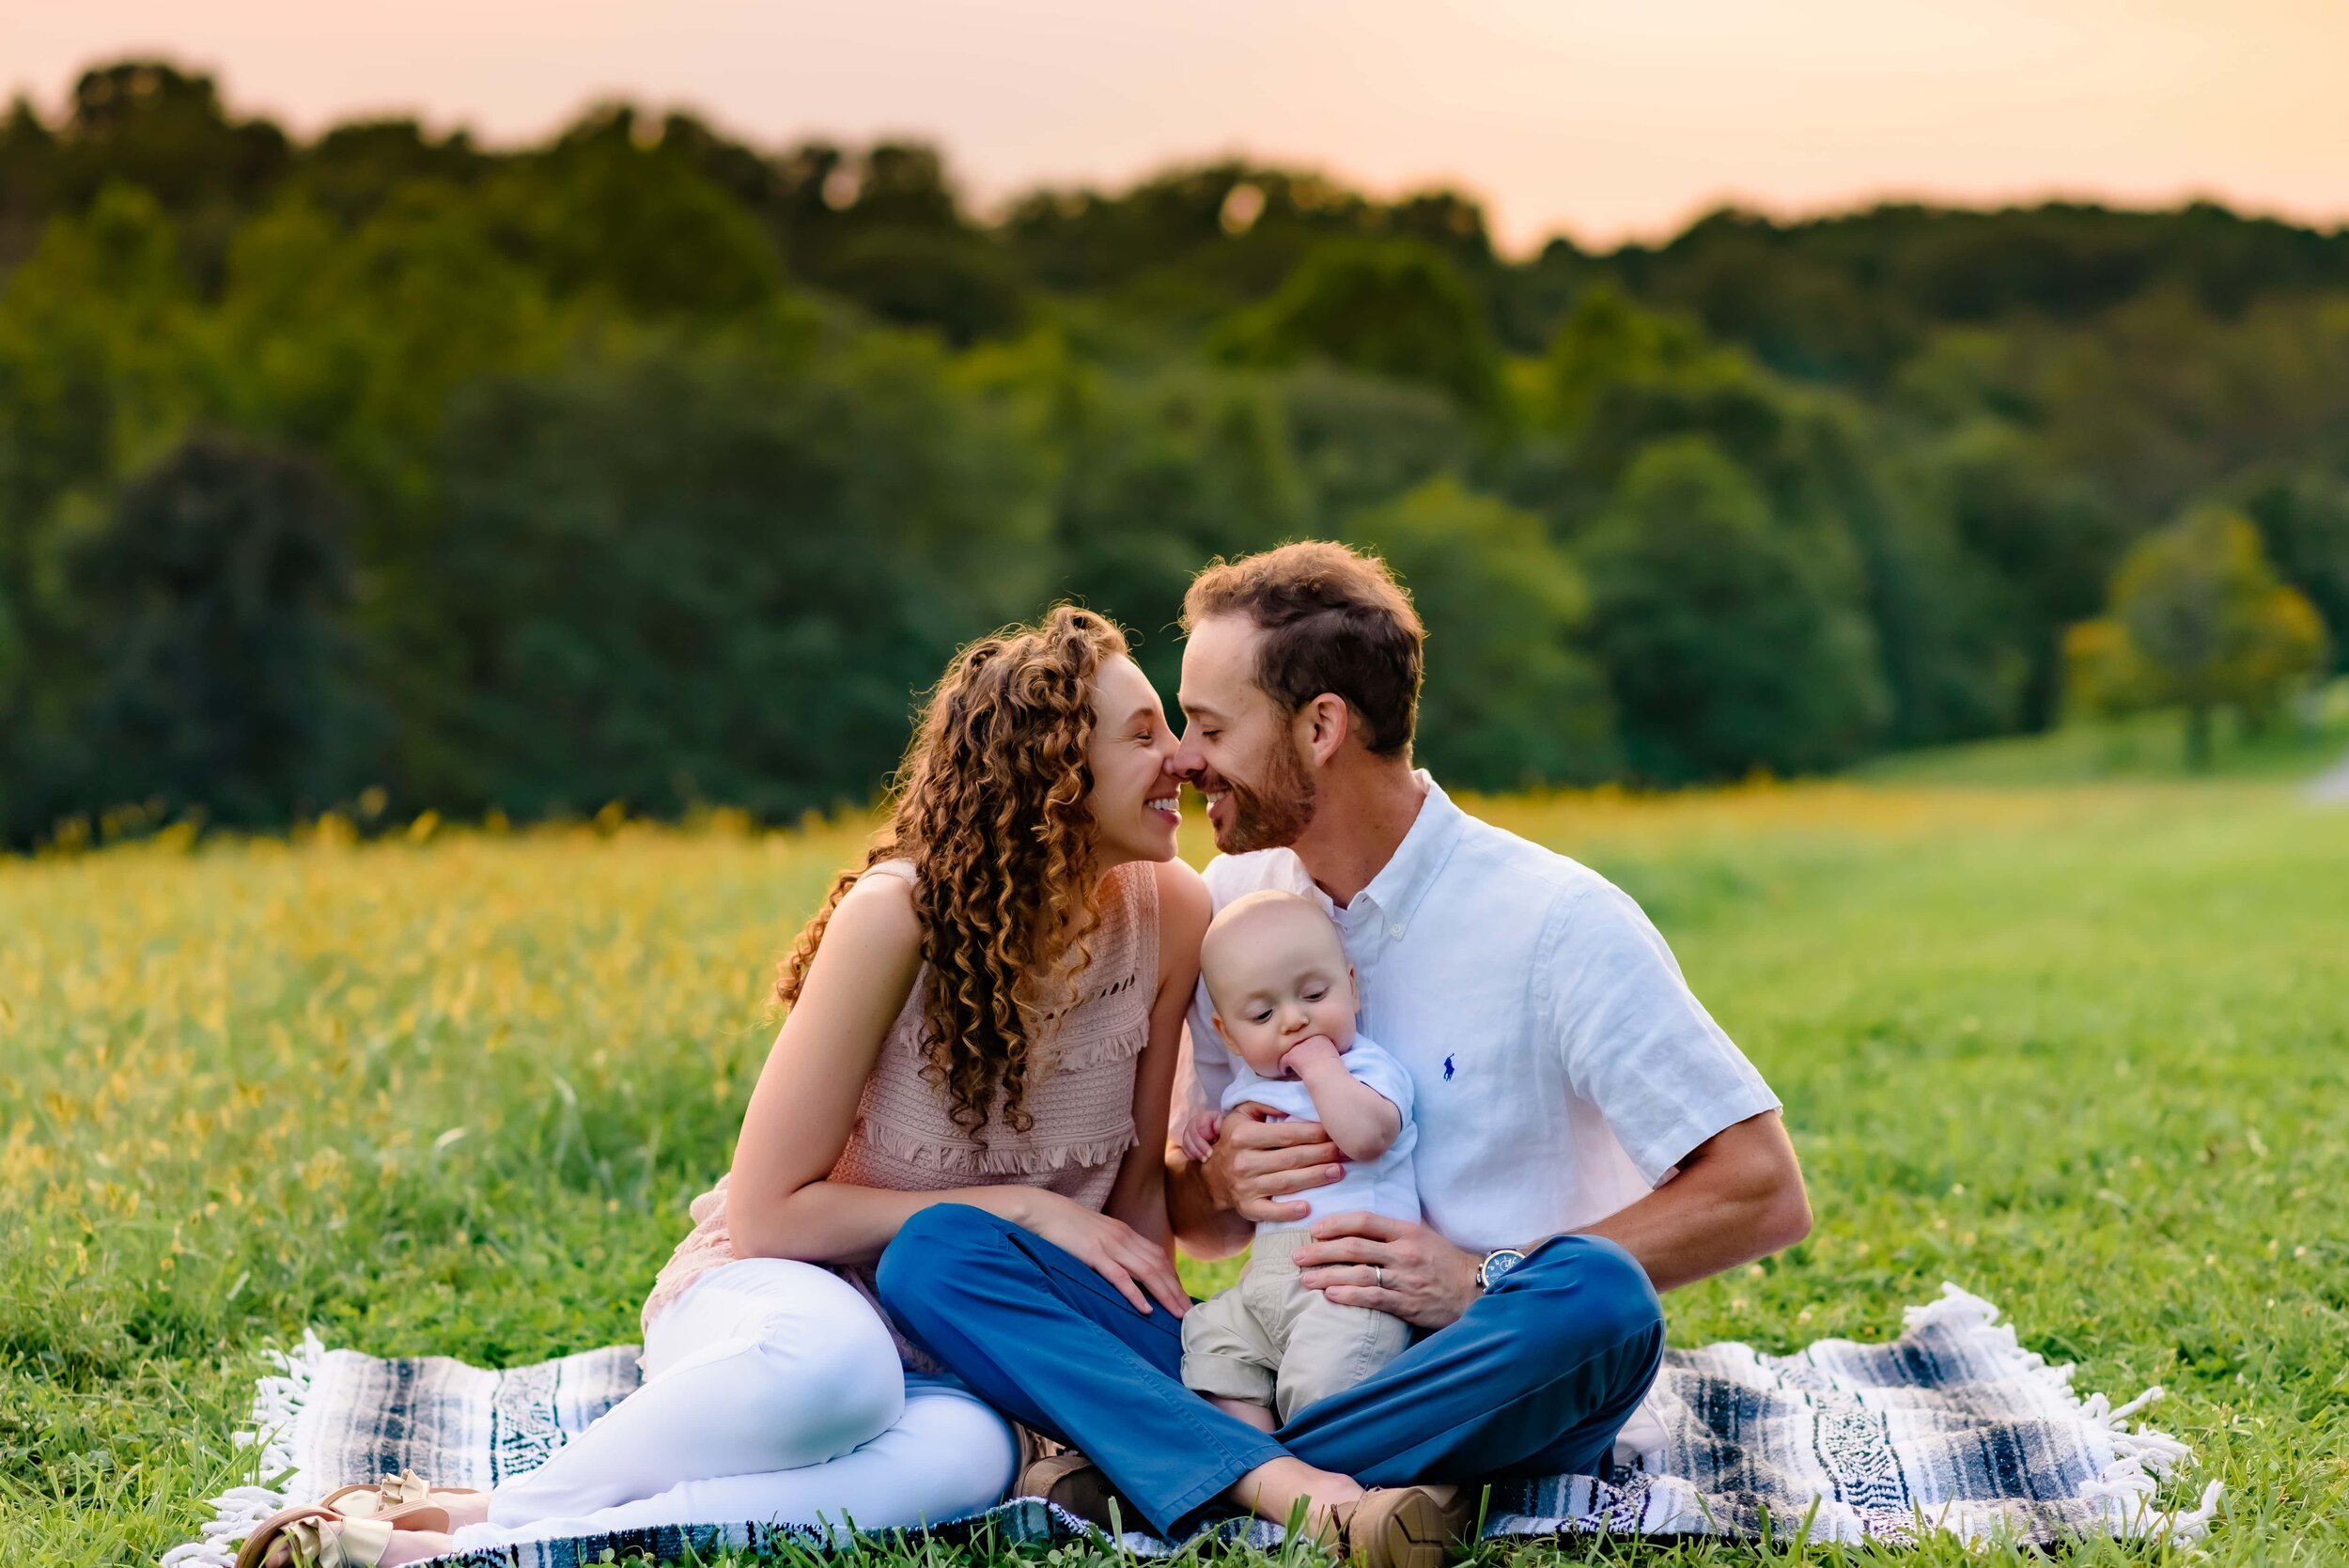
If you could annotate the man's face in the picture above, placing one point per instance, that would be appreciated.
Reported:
(1238, 748)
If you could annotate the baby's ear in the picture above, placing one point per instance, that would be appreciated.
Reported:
(1221, 1033)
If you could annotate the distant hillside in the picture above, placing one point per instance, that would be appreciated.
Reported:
(641, 464)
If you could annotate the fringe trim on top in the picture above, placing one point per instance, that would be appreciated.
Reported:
(2143, 1458)
(917, 1151)
(277, 1404)
(1119, 1047)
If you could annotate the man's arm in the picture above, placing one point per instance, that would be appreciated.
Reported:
(1738, 1195)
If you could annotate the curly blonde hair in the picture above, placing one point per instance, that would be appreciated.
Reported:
(989, 807)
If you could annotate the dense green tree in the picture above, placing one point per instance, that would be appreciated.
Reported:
(1159, 477)
(1362, 440)
(619, 426)
(353, 169)
(604, 215)
(28, 174)
(1854, 296)
(2199, 621)
(1727, 647)
(1607, 341)
(217, 672)
(692, 578)
(98, 376)
(958, 283)
(351, 342)
(1512, 697)
(2303, 518)
(1391, 307)
(102, 367)
(1864, 510)
(147, 123)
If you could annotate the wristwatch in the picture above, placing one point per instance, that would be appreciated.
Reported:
(1496, 1263)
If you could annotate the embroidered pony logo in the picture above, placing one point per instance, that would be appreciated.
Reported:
(1447, 1069)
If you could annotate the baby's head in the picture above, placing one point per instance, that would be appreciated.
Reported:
(1277, 974)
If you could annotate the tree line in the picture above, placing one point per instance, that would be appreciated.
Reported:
(646, 465)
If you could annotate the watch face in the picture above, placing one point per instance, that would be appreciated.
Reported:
(1498, 1264)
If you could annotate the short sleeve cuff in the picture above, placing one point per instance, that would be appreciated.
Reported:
(1658, 1155)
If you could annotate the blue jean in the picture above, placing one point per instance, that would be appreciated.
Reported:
(1537, 1378)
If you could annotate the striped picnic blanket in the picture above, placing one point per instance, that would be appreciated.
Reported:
(1951, 1427)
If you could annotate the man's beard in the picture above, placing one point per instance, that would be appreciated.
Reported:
(1274, 816)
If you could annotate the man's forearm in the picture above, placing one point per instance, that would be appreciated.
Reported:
(1679, 1246)
(1738, 1197)
(1201, 1228)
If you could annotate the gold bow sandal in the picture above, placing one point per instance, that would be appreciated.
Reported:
(393, 1497)
(313, 1536)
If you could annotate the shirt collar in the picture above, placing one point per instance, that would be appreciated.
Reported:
(1411, 870)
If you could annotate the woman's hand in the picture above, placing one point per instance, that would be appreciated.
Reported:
(1111, 1248)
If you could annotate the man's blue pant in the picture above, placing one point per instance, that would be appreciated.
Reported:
(1536, 1379)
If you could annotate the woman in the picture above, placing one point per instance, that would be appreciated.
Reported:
(988, 1013)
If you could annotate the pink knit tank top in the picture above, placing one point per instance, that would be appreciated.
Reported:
(1081, 1094)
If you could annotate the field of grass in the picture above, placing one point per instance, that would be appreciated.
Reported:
(2312, 735)
(2084, 1050)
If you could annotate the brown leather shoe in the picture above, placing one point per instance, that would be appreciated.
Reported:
(1068, 1480)
(1406, 1527)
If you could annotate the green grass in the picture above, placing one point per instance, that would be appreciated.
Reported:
(2083, 1050)
(2143, 746)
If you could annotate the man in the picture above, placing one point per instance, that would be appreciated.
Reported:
(1587, 1136)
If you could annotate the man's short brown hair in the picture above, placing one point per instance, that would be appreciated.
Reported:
(1332, 621)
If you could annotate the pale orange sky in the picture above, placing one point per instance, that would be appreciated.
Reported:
(1605, 121)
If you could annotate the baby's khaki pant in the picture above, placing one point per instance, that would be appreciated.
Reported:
(1271, 1342)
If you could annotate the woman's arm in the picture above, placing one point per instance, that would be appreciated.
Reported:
(1138, 1198)
(778, 1203)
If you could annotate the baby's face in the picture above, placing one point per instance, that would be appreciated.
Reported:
(1277, 980)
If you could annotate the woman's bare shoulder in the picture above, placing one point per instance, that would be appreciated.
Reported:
(876, 921)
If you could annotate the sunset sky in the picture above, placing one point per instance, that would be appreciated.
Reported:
(1605, 121)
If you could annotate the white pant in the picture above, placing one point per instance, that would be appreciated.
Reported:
(774, 1395)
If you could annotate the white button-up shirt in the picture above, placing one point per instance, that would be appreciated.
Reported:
(1562, 1069)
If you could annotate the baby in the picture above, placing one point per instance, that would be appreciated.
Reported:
(1283, 998)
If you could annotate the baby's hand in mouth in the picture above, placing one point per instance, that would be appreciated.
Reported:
(1306, 1052)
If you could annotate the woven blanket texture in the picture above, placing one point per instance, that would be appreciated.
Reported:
(1951, 1427)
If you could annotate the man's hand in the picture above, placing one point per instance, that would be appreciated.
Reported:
(1260, 1159)
(1389, 1265)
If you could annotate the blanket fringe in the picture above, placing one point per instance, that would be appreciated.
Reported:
(278, 1401)
(2144, 1458)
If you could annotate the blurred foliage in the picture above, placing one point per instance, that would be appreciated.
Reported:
(1520, 700)
(644, 464)
(1734, 637)
(2199, 621)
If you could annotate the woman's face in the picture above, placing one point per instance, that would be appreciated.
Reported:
(1135, 802)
